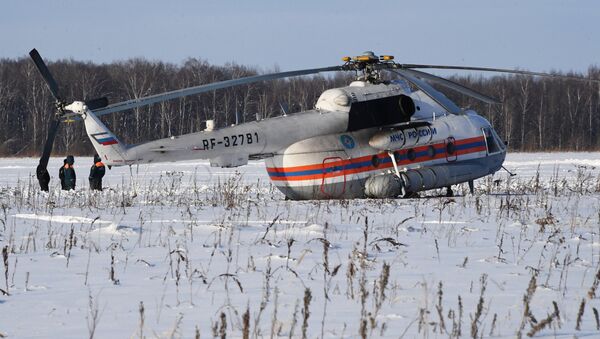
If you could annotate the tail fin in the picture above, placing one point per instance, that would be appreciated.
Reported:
(110, 149)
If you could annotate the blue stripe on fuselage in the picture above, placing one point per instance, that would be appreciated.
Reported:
(367, 163)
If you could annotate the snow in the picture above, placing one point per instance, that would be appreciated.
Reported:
(178, 239)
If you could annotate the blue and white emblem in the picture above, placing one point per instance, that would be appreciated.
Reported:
(347, 141)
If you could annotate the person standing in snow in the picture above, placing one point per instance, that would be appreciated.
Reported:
(61, 175)
(69, 173)
(96, 173)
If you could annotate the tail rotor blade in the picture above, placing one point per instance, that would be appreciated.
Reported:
(42, 168)
(45, 72)
(48, 145)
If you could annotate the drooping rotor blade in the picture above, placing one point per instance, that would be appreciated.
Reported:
(438, 97)
(134, 103)
(498, 70)
(41, 66)
(453, 86)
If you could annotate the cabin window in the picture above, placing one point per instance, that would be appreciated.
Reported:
(375, 161)
(431, 151)
(411, 154)
(499, 140)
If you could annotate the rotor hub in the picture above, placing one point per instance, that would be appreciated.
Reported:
(368, 65)
(60, 108)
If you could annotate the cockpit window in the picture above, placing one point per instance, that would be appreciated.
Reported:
(498, 139)
(491, 141)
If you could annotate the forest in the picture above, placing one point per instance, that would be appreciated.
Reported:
(537, 114)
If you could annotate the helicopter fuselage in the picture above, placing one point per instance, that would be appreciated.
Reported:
(338, 165)
(433, 149)
(355, 133)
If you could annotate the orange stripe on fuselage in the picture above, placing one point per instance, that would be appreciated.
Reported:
(382, 155)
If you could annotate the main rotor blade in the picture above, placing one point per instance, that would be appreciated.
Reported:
(454, 86)
(134, 103)
(498, 70)
(45, 72)
(438, 97)
(96, 103)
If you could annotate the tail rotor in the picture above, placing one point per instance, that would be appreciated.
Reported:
(42, 169)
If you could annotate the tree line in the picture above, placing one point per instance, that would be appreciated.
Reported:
(537, 114)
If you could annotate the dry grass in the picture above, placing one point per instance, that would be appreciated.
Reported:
(374, 262)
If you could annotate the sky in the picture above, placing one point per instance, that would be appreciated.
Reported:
(539, 35)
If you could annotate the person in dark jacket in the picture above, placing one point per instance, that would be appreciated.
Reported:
(69, 171)
(61, 175)
(96, 173)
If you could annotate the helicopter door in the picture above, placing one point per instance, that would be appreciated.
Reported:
(451, 152)
(333, 182)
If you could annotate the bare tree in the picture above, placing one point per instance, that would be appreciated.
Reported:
(540, 114)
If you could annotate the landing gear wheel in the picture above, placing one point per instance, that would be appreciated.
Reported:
(449, 192)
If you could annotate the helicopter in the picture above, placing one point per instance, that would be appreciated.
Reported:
(374, 138)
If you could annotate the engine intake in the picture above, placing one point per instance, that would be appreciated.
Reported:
(407, 106)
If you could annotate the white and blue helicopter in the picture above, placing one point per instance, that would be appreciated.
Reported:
(373, 138)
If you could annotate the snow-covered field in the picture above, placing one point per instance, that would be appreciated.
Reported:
(176, 250)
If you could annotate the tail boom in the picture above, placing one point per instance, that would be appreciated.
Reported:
(227, 147)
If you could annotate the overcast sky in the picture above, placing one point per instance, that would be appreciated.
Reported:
(537, 35)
